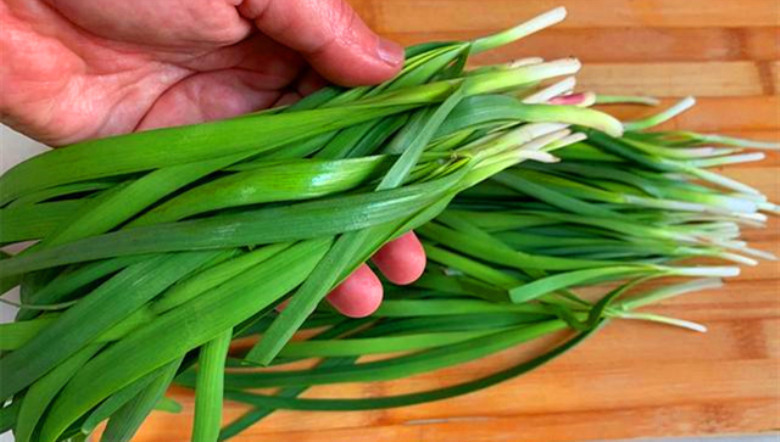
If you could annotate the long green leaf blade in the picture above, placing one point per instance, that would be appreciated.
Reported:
(208, 396)
(123, 425)
(182, 329)
(92, 316)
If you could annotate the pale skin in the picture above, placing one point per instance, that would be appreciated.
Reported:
(72, 70)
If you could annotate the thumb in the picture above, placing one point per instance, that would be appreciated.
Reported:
(330, 35)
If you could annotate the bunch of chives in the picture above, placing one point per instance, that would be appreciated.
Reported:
(511, 257)
(189, 237)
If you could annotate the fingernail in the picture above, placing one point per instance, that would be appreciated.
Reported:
(390, 52)
(359, 295)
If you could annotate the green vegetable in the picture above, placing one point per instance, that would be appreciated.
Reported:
(208, 402)
(156, 249)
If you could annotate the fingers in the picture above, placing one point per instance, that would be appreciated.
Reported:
(359, 295)
(209, 96)
(330, 35)
(310, 82)
(402, 260)
(227, 82)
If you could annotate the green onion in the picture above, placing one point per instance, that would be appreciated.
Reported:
(168, 244)
(208, 402)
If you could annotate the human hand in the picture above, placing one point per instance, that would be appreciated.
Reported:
(79, 69)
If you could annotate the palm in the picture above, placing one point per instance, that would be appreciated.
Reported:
(81, 70)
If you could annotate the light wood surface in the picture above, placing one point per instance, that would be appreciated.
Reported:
(633, 379)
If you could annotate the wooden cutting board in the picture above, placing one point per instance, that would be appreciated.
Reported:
(633, 379)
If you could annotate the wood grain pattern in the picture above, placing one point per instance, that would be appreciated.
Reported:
(634, 379)
(713, 79)
(488, 15)
(628, 44)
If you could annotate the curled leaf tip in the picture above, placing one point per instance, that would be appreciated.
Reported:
(528, 61)
(558, 14)
(522, 30)
(539, 156)
(612, 126)
(572, 63)
(559, 88)
(582, 99)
